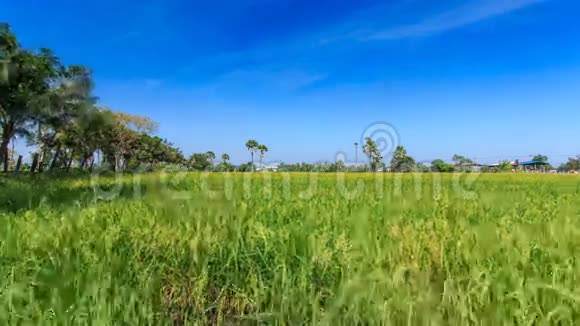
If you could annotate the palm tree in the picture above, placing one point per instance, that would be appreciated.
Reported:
(263, 149)
(225, 158)
(252, 146)
(356, 153)
(371, 150)
(210, 156)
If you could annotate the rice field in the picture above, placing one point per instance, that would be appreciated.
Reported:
(325, 249)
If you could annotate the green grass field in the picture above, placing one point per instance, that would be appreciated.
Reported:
(291, 249)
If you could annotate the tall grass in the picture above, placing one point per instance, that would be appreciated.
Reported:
(291, 248)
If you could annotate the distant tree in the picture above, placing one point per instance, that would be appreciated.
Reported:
(540, 158)
(461, 160)
(573, 164)
(401, 162)
(462, 163)
(340, 166)
(225, 166)
(420, 167)
(252, 146)
(408, 165)
(210, 156)
(372, 152)
(505, 166)
(486, 169)
(152, 150)
(124, 138)
(263, 150)
(356, 153)
(246, 167)
(324, 167)
(198, 162)
(439, 165)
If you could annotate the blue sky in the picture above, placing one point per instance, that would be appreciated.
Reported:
(495, 79)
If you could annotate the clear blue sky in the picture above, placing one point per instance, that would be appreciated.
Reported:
(494, 79)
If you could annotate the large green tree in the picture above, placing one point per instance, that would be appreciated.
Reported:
(25, 88)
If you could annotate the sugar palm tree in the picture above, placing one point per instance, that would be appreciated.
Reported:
(210, 156)
(263, 149)
(356, 153)
(252, 146)
(225, 158)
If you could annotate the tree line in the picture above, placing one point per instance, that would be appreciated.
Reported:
(401, 161)
(53, 109)
(51, 106)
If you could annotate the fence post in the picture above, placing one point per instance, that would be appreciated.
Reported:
(34, 163)
(18, 164)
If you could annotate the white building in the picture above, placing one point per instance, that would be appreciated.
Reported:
(267, 168)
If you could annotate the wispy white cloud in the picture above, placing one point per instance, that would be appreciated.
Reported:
(470, 13)
(268, 79)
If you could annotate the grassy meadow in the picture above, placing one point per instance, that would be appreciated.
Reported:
(277, 248)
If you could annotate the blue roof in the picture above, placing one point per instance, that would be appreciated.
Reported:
(533, 163)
